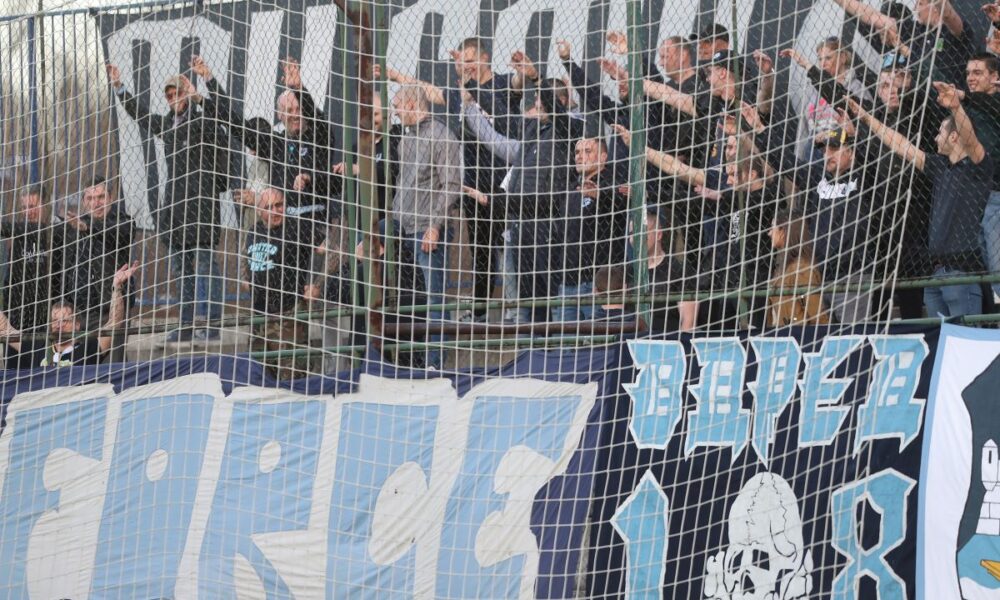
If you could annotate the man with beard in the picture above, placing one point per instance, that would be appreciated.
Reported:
(65, 347)
(36, 260)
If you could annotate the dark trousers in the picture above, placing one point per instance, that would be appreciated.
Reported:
(484, 236)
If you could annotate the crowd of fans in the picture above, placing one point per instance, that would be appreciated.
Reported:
(743, 191)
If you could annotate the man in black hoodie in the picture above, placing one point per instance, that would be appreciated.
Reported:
(543, 169)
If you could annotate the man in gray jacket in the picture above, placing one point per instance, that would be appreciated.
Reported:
(429, 184)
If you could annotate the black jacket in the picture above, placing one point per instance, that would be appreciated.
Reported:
(546, 165)
(33, 271)
(288, 157)
(196, 148)
(589, 233)
(94, 256)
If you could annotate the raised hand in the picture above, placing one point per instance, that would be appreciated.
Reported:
(520, 62)
(301, 182)
(948, 96)
(617, 42)
(855, 108)
(992, 12)
(623, 133)
(845, 122)
(123, 274)
(564, 49)
(114, 75)
(751, 116)
(200, 68)
(795, 56)
(993, 42)
(613, 69)
(292, 74)
(764, 62)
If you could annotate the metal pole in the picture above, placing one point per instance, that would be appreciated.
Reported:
(34, 174)
(637, 147)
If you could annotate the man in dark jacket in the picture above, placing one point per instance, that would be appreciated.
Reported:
(196, 149)
(105, 234)
(65, 346)
(278, 256)
(36, 260)
(589, 229)
(299, 155)
(543, 169)
(848, 197)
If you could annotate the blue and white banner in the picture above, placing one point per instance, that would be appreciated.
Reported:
(959, 527)
(754, 468)
(174, 490)
(765, 468)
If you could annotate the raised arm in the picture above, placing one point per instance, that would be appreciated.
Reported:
(6, 329)
(867, 14)
(765, 92)
(137, 110)
(594, 101)
(949, 98)
(896, 141)
(117, 314)
(668, 163)
(668, 95)
(435, 95)
(524, 70)
(502, 147)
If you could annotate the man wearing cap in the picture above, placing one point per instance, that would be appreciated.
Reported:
(726, 89)
(961, 173)
(195, 147)
(847, 200)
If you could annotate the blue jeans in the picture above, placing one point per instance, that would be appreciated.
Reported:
(572, 311)
(511, 283)
(200, 281)
(433, 266)
(991, 237)
(953, 300)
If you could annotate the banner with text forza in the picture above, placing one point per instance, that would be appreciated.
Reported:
(763, 467)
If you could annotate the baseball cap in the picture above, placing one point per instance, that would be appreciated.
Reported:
(727, 59)
(836, 138)
(710, 32)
